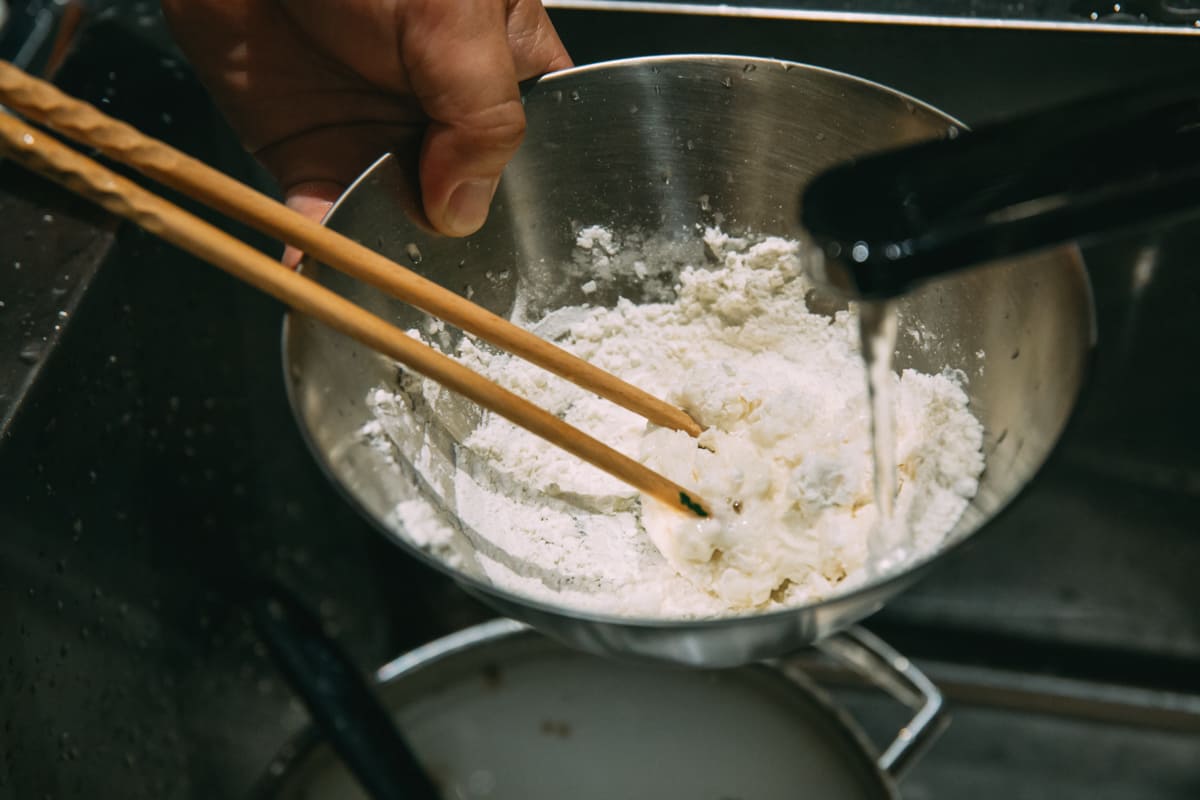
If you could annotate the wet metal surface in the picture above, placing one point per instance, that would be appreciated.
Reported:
(1130, 16)
(53, 247)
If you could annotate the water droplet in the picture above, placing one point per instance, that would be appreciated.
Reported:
(556, 95)
(1093, 16)
(31, 353)
(633, 109)
(575, 96)
(414, 252)
(749, 68)
(727, 82)
(860, 252)
(952, 132)
(47, 218)
(63, 315)
(704, 203)
(690, 145)
(481, 782)
(16, 265)
(27, 139)
(820, 136)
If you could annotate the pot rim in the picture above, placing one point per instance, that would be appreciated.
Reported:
(498, 633)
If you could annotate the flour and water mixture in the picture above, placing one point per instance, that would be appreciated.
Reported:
(786, 457)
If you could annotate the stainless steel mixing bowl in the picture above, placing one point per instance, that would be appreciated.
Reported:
(657, 146)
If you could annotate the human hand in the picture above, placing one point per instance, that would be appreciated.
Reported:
(319, 90)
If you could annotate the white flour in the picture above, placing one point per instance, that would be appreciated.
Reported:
(786, 458)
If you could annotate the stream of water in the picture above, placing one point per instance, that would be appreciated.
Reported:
(877, 329)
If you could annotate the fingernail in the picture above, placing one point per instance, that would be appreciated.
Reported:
(468, 206)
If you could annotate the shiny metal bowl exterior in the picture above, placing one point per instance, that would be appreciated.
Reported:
(662, 145)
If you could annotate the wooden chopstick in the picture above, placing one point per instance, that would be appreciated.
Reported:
(46, 105)
(42, 153)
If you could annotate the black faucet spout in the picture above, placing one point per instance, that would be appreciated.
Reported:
(886, 223)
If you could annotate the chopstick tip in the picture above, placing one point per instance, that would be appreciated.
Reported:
(694, 505)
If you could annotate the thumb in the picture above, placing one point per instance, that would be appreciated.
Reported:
(461, 70)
